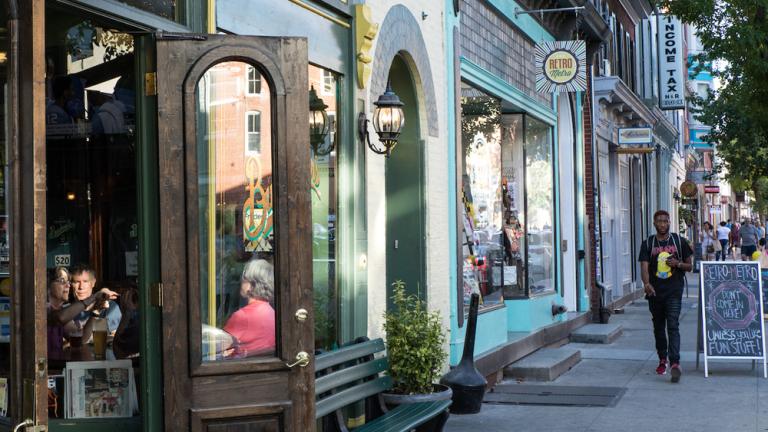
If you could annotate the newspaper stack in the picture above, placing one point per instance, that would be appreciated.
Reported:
(100, 389)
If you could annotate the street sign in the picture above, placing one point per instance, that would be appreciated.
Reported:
(635, 136)
(672, 80)
(561, 66)
(712, 189)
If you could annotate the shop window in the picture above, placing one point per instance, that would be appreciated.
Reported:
(236, 223)
(254, 81)
(324, 221)
(164, 8)
(506, 227)
(253, 132)
(92, 219)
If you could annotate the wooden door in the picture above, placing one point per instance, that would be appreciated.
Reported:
(235, 226)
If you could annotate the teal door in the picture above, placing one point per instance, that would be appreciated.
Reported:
(405, 193)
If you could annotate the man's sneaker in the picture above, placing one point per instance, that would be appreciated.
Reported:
(677, 371)
(662, 368)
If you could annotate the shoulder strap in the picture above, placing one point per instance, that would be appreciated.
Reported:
(649, 244)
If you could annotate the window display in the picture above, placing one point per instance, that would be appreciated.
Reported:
(507, 201)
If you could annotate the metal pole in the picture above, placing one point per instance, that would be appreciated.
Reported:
(576, 9)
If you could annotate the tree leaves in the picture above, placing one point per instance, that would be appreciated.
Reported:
(734, 33)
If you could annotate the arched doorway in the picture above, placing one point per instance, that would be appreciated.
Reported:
(405, 233)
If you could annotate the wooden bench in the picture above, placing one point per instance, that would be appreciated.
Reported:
(352, 374)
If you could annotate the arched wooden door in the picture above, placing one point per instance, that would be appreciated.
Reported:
(235, 233)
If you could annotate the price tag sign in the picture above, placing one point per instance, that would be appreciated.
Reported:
(62, 260)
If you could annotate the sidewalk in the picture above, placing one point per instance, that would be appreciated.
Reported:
(734, 398)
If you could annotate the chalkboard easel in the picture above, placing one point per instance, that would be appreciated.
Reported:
(731, 318)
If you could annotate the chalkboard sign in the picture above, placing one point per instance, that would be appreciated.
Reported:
(732, 311)
(765, 292)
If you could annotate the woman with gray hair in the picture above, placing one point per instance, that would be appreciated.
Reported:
(253, 326)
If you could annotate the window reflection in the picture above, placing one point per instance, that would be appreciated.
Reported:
(507, 194)
(236, 223)
(324, 204)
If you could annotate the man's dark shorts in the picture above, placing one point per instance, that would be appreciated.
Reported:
(748, 250)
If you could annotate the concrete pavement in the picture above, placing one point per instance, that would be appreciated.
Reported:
(734, 398)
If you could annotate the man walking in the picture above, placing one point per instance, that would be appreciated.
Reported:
(748, 235)
(664, 259)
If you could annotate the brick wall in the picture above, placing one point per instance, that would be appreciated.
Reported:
(490, 41)
(589, 191)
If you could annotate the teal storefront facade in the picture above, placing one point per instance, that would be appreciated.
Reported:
(519, 236)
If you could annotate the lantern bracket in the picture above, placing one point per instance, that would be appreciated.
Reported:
(362, 133)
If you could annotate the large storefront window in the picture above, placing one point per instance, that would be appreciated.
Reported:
(92, 220)
(507, 220)
(324, 204)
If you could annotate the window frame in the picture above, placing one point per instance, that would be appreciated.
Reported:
(250, 69)
(248, 132)
(526, 117)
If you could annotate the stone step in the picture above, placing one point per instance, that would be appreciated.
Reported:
(597, 333)
(545, 364)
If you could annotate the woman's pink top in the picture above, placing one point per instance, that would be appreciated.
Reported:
(254, 327)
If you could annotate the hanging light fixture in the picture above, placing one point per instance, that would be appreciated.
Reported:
(318, 124)
(388, 121)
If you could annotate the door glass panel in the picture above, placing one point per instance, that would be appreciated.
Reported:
(236, 223)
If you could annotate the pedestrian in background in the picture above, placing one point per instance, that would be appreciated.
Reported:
(707, 240)
(760, 230)
(723, 234)
(664, 259)
(735, 242)
(749, 236)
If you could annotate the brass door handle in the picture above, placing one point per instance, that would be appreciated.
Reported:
(302, 360)
(25, 424)
(302, 315)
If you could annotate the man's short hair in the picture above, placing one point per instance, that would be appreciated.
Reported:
(660, 213)
(722, 223)
(83, 268)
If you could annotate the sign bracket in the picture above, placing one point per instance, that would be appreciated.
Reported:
(574, 9)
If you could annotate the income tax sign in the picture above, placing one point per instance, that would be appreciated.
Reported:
(732, 311)
(561, 66)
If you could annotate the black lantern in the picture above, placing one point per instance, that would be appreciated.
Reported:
(318, 124)
(388, 121)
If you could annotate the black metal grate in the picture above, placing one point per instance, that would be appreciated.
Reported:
(526, 394)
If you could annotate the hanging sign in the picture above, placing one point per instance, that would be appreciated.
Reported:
(732, 312)
(711, 189)
(561, 66)
(635, 140)
(671, 83)
(688, 188)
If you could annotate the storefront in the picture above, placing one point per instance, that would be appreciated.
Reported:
(174, 165)
(510, 180)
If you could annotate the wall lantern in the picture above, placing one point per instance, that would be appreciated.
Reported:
(318, 124)
(388, 121)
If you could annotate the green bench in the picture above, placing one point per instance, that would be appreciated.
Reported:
(352, 374)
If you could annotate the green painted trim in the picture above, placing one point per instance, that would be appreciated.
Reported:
(149, 240)
(526, 23)
(131, 16)
(500, 88)
(352, 278)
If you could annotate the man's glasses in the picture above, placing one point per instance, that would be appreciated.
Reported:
(63, 281)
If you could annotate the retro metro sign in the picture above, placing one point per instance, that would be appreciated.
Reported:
(671, 83)
(561, 66)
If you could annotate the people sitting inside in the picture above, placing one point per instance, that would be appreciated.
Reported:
(61, 312)
(83, 281)
(253, 325)
(126, 341)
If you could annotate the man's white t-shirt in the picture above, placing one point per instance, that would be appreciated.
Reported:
(723, 232)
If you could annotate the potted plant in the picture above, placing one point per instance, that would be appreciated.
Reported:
(415, 348)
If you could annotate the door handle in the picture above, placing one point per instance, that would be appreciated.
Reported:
(26, 423)
(302, 360)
